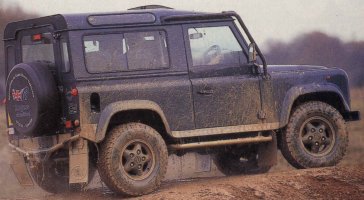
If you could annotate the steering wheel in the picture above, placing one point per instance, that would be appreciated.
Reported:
(212, 52)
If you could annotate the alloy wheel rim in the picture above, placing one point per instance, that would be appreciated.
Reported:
(317, 136)
(138, 159)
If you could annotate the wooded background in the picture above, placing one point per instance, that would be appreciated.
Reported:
(315, 48)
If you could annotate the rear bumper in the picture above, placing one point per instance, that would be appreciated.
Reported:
(33, 150)
(352, 116)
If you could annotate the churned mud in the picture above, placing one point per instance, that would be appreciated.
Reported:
(323, 183)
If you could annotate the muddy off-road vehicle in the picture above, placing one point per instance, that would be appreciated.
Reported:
(119, 92)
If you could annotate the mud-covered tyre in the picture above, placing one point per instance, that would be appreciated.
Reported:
(233, 163)
(316, 136)
(133, 159)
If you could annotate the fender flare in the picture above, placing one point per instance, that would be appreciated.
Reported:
(298, 91)
(109, 111)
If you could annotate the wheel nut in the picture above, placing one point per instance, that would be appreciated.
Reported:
(131, 155)
(323, 138)
(138, 152)
(310, 138)
(143, 158)
(139, 166)
(312, 130)
(131, 164)
(321, 130)
(316, 143)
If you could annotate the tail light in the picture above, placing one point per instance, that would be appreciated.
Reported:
(76, 122)
(37, 37)
(68, 124)
(74, 92)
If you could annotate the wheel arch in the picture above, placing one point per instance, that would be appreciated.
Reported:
(143, 111)
(327, 93)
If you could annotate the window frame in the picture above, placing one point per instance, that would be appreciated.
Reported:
(122, 33)
(229, 23)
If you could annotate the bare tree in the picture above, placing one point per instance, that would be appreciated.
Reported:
(8, 14)
(317, 48)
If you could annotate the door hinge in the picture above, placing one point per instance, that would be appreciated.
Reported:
(262, 114)
(56, 36)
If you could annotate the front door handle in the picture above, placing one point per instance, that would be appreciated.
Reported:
(206, 91)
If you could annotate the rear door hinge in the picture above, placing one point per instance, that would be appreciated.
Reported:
(56, 36)
(262, 115)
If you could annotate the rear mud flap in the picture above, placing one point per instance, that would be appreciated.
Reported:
(267, 152)
(79, 162)
(202, 163)
(20, 170)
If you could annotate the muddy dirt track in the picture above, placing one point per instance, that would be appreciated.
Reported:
(323, 183)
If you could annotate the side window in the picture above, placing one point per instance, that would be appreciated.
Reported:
(104, 53)
(126, 52)
(146, 50)
(65, 57)
(215, 46)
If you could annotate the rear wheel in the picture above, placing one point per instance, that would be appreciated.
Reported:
(315, 136)
(53, 175)
(133, 159)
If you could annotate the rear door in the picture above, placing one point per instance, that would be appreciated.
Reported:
(225, 92)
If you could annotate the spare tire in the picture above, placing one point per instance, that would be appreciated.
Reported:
(32, 99)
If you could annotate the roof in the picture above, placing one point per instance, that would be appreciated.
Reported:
(134, 17)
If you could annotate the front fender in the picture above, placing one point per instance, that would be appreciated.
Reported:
(109, 111)
(297, 91)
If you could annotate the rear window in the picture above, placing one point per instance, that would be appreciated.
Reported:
(38, 47)
(126, 52)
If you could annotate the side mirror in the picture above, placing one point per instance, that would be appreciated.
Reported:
(252, 53)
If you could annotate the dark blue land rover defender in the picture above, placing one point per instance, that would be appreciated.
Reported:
(119, 92)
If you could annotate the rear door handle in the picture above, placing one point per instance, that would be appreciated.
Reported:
(206, 91)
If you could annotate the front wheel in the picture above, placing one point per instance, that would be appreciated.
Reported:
(133, 159)
(315, 136)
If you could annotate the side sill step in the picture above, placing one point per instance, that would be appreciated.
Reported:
(194, 145)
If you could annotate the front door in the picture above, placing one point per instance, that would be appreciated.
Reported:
(225, 92)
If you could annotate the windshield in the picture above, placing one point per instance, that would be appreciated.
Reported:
(38, 47)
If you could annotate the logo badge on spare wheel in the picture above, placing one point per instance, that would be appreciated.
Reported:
(20, 95)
